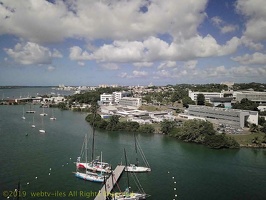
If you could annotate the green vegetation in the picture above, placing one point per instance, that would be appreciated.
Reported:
(114, 124)
(246, 104)
(199, 131)
(200, 99)
(251, 139)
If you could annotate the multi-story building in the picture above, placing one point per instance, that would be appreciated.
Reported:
(233, 117)
(130, 101)
(117, 96)
(106, 99)
(207, 95)
(259, 97)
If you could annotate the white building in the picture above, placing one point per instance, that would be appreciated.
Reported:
(207, 95)
(259, 97)
(130, 101)
(117, 96)
(233, 117)
(106, 99)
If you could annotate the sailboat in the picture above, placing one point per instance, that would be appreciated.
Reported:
(95, 165)
(85, 174)
(30, 110)
(23, 116)
(53, 117)
(43, 113)
(135, 167)
(127, 194)
(33, 125)
(42, 129)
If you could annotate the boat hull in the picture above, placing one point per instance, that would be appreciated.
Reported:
(94, 167)
(88, 177)
(137, 169)
(129, 196)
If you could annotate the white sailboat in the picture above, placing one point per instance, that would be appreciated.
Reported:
(128, 194)
(43, 113)
(95, 165)
(53, 117)
(84, 173)
(23, 116)
(42, 128)
(30, 110)
(136, 167)
(33, 124)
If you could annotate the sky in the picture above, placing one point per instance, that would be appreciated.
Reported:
(132, 42)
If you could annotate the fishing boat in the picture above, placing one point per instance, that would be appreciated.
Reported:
(136, 167)
(128, 194)
(84, 173)
(95, 164)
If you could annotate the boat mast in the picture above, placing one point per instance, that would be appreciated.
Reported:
(126, 166)
(93, 131)
(86, 150)
(136, 150)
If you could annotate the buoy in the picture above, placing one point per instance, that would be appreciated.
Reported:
(36, 177)
(174, 188)
(168, 172)
(28, 183)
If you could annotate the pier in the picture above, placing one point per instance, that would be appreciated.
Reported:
(110, 183)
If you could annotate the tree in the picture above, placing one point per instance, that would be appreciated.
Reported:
(263, 128)
(200, 99)
(146, 128)
(186, 101)
(246, 104)
(167, 126)
(253, 128)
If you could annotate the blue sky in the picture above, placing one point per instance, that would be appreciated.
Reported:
(132, 42)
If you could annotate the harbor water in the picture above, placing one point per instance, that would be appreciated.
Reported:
(43, 163)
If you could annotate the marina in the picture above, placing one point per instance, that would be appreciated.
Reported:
(182, 167)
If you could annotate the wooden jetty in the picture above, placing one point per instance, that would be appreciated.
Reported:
(110, 183)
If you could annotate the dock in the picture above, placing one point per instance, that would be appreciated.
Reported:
(110, 183)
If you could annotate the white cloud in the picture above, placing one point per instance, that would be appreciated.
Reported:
(251, 44)
(110, 66)
(256, 58)
(191, 64)
(116, 19)
(153, 49)
(135, 74)
(51, 68)
(255, 11)
(30, 53)
(143, 64)
(223, 26)
(77, 54)
(168, 64)
(56, 54)
(81, 63)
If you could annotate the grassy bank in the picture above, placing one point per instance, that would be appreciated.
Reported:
(249, 140)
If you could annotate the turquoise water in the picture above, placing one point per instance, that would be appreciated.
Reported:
(195, 171)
